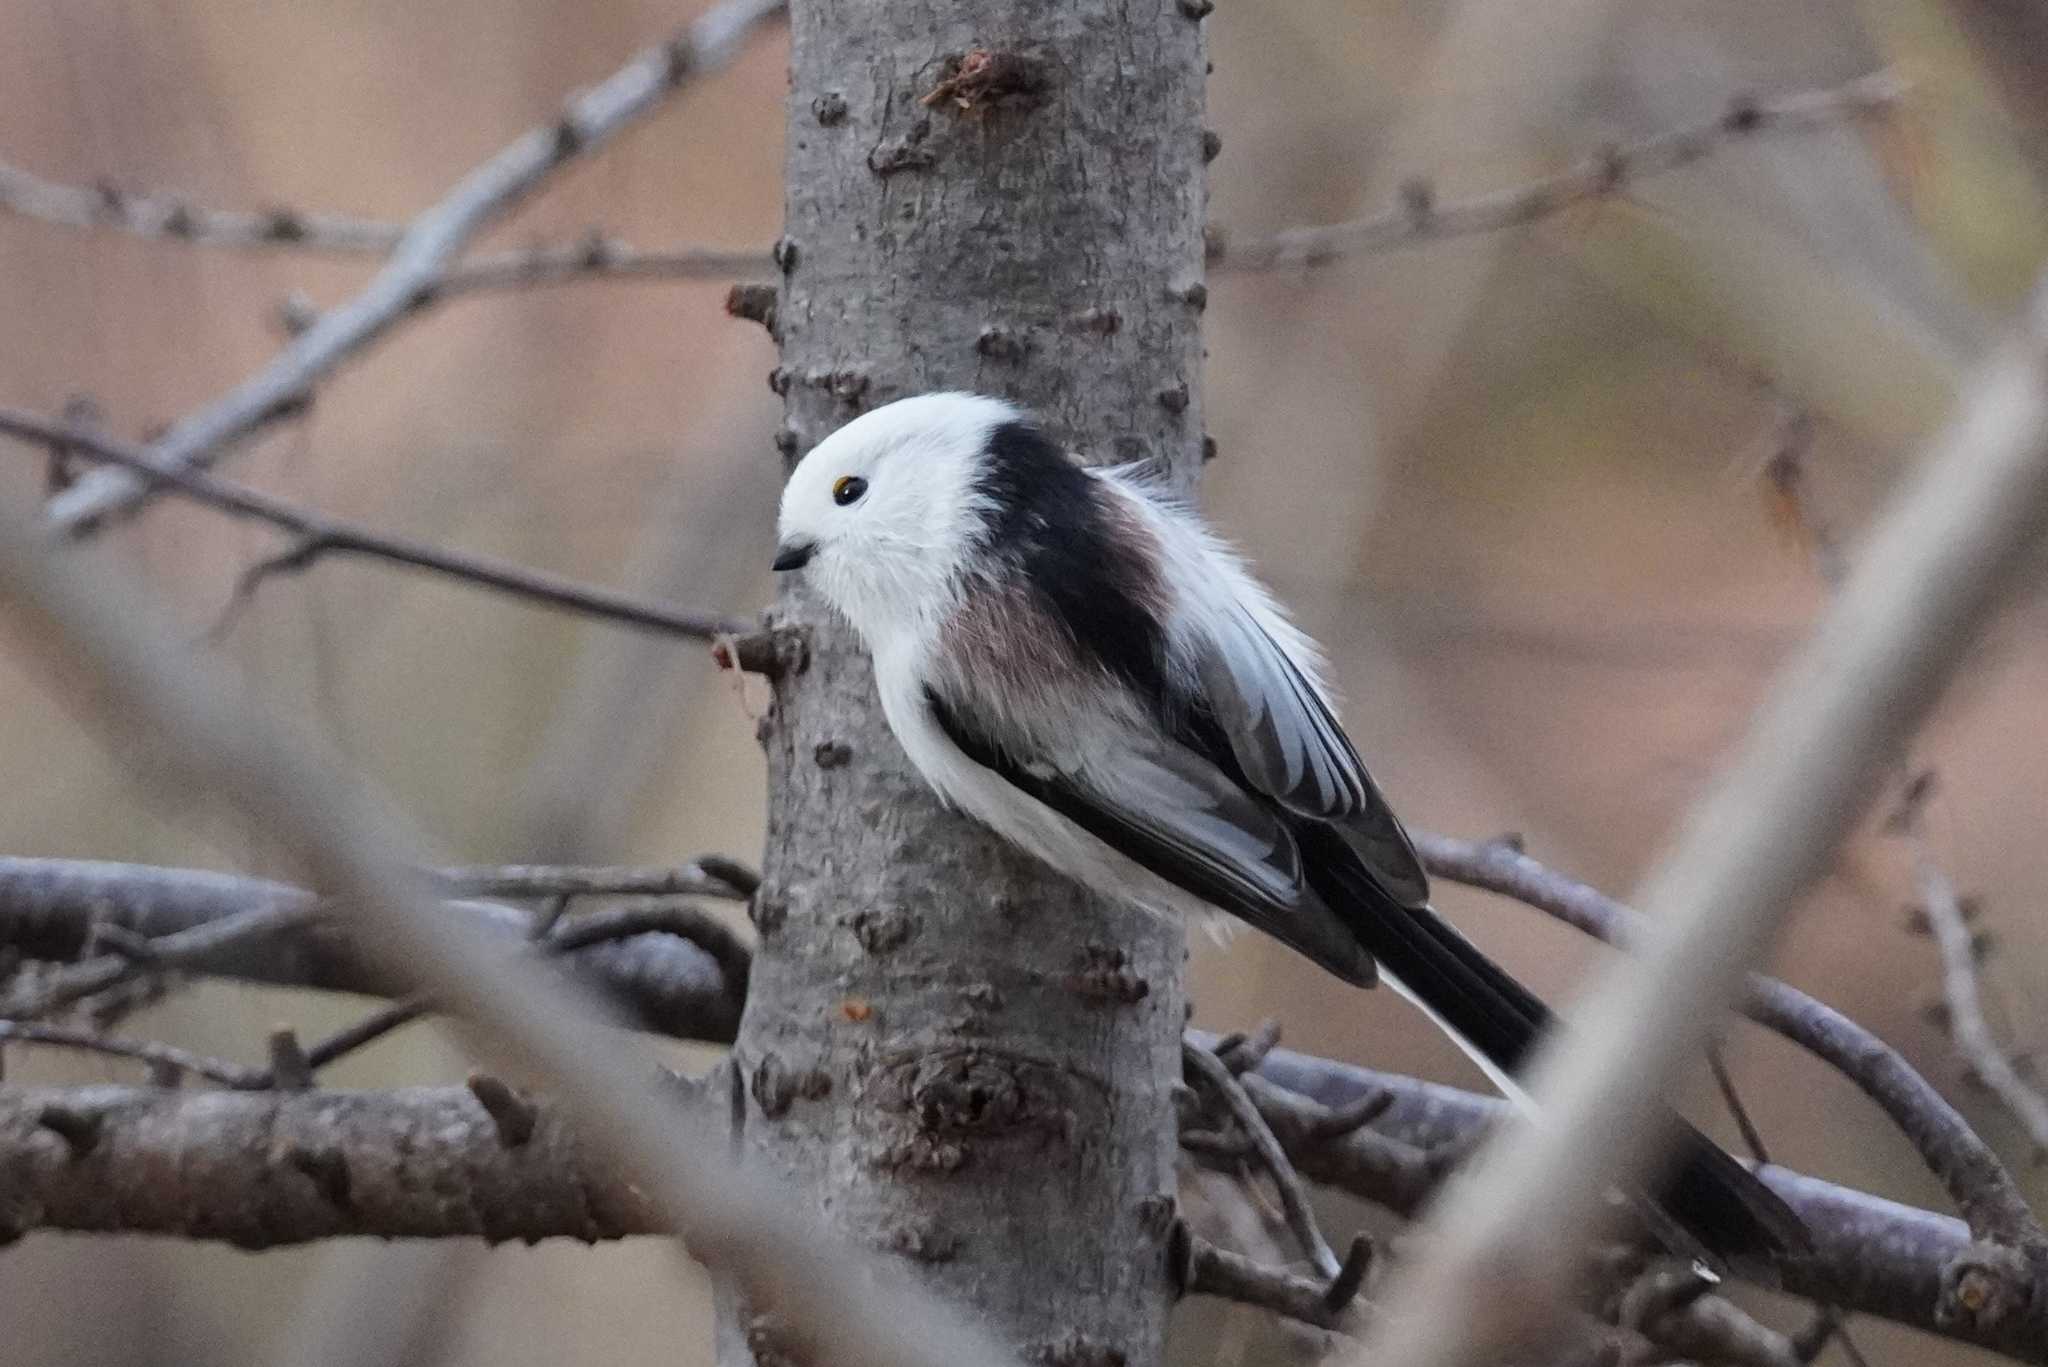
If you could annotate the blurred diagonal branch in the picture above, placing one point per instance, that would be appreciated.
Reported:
(1946, 918)
(1983, 1189)
(1609, 171)
(71, 613)
(315, 534)
(1960, 990)
(1928, 578)
(420, 260)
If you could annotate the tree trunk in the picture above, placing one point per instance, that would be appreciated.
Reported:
(959, 1057)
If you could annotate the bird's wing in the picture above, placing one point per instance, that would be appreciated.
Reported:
(1172, 812)
(1290, 747)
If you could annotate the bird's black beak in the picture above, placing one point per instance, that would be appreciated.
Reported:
(794, 555)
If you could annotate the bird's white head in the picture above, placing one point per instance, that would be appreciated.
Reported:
(882, 515)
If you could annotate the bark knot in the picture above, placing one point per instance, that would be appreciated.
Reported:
(1986, 1284)
(907, 153)
(776, 1086)
(1103, 974)
(829, 109)
(982, 79)
(882, 929)
(922, 1243)
(965, 1091)
(754, 302)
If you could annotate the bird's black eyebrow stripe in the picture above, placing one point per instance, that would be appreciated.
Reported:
(1049, 516)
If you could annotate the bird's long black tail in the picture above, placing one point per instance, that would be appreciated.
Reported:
(1711, 1197)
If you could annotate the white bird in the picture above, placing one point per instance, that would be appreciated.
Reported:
(1071, 657)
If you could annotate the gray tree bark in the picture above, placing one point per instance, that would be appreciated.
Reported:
(962, 1058)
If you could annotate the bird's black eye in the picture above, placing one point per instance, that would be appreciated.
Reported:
(848, 489)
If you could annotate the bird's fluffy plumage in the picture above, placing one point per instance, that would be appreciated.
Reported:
(1074, 659)
(1095, 651)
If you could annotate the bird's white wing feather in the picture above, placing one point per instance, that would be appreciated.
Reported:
(1260, 681)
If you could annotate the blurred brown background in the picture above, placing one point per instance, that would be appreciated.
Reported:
(1514, 482)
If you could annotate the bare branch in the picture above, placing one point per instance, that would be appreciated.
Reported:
(1419, 219)
(1671, 1309)
(1928, 578)
(175, 218)
(1871, 1256)
(262, 1169)
(441, 1169)
(1967, 1026)
(420, 260)
(1206, 1269)
(142, 1051)
(678, 919)
(1384, 1138)
(202, 943)
(1206, 1067)
(1607, 172)
(1983, 1189)
(227, 926)
(106, 206)
(49, 907)
(596, 258)
(316, 534)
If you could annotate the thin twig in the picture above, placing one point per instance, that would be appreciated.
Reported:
(1724, 1082)
(316, 534)
(1207, 1269)
(1972, 1033)
(678, 919)
(361, 1033)
(596, 258)
(1607, 172)
(107, 206)
(1928, 578)
(171, 217)
(1301, 1217)
(186, 947)
(142, 1051)
(420, 260)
